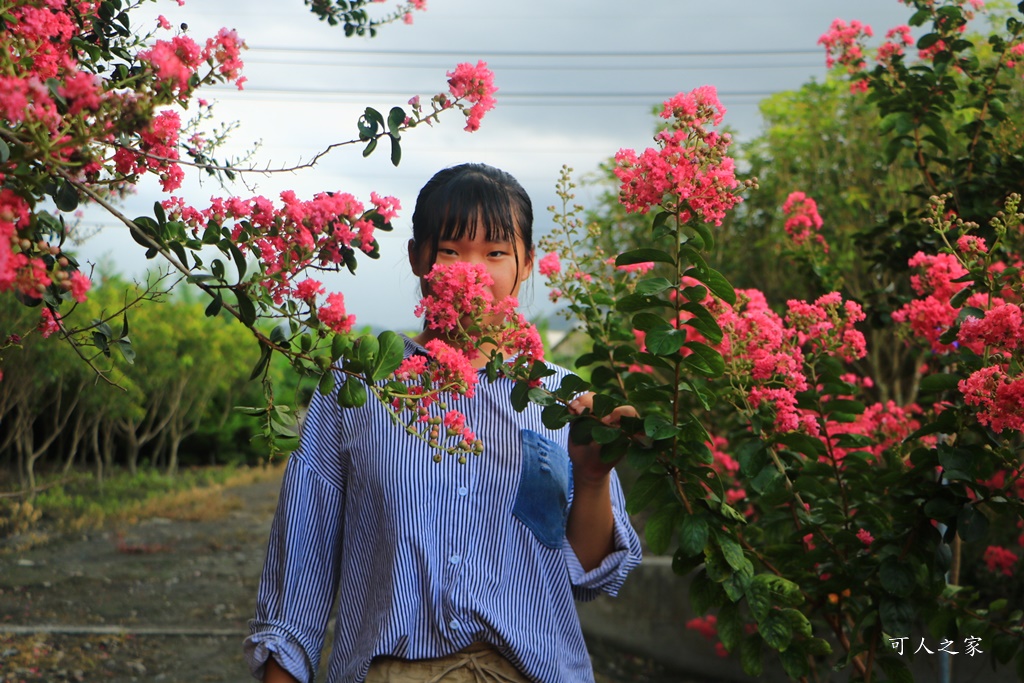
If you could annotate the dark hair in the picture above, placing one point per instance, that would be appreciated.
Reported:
(458, 200)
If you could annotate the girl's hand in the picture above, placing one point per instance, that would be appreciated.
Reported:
(588, 467)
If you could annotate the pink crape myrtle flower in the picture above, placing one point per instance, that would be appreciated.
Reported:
(549, 265)
(174, 61)
(999, 560)
(48, 322)
(456, 290)
(1002, 329)
(827, 326)
(476, 85)
(803, 220)
(865, 537)
(843, 44)
(896, 39)
(998, 395)
(689, 172)
(80, 284)
(333, 314)
(452, 367)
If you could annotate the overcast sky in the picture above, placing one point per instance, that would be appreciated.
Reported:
(577, 80)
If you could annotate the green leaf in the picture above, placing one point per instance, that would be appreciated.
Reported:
(896, 670)
(732, 551)
(352, 394)
(730, 626)
(520, 396)
(794, 663)
(5, 152)
(261, 364)
(659, 528)
(897, 577)
(897, 615)
(776, 631)
(396, 150)
(370, 146)
(646, 322)
(396, 117)
(645, 255)
(648, 487)
(716, 282)
(124, 345)
(750, 656)
(572, 385)
(693, 534)
(246, 309)
(657, 427)
(391, 353)
(703, 321)
(603, 434)
(653, 285)
(759, 596)
(368, 352)
(215, 305)
(710, 359)
(665, 341)
(972, 524)
(939, 382)
(340, 345)
(555, 416)
(66, 196)
(541, 396)
(326, 384)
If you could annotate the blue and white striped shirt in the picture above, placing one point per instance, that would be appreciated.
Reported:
(430, 557)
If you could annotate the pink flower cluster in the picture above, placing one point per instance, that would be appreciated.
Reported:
(929, 316)
(333, 314)
(689, 173)
(175, 61)
(896, 39)
(316, 233)
(999, 395)
(827, 326)
(75, 117)
(999, 560)
(844, 44)
(476, 85)
(460, 306)
(803, 220)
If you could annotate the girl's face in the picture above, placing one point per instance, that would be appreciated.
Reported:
(509, 265)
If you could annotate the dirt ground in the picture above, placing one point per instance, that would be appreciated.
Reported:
(160, 600)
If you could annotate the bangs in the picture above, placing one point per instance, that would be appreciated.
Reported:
(458, 209)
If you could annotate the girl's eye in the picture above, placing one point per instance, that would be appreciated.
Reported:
(496, 254)
(446, 252)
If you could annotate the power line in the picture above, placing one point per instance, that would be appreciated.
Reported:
(547, 67)
(538, 55)
(503, 95)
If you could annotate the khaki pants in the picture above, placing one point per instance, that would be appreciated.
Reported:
(478, 663)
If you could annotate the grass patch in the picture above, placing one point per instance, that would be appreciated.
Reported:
(83, 503)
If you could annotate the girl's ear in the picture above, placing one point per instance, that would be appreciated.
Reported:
(415, 260)
(528, 269)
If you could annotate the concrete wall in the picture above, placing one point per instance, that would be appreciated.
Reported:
(649, 618)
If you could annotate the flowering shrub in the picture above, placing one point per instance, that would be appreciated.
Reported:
(816, 515)
(88, 105)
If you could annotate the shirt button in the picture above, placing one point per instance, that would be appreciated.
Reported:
(454, 625)
(463, 490)
(455, 559)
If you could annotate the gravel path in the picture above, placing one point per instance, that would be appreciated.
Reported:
(162, 600)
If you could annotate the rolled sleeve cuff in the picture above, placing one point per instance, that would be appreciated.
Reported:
(272, 642)
(609, 576)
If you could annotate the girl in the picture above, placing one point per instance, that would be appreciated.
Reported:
(447, 571)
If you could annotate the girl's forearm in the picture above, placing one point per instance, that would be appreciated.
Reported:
(591, 525)
(273, 673)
